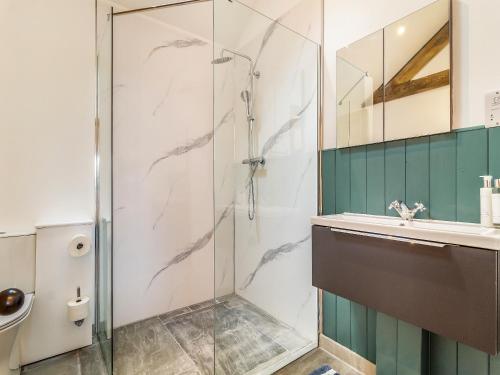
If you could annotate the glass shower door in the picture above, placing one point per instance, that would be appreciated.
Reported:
(265, 190)
(162, 188)
(104, 325)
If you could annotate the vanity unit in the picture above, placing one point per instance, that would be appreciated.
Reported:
(440, 276)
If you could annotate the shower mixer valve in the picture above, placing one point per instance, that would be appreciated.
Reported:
(259, 160)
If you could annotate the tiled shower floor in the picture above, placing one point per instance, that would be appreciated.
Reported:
(182, 342)
(86, 361)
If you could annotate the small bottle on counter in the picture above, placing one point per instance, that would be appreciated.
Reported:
(495, 203)
(486, 202)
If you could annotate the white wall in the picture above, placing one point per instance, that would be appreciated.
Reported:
(475, 59)
(47, 106)
(47, 100)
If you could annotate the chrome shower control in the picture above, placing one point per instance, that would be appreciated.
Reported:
(260, 160)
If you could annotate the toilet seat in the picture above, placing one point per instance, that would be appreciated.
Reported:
(9, 321)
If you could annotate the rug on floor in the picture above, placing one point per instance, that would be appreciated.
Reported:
(324, 370)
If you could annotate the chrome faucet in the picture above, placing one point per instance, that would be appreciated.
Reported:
(406, 213)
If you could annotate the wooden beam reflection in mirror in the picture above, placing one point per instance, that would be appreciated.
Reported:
(402, 85)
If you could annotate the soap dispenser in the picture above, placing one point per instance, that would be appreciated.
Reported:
(495, 203)
(486, 202)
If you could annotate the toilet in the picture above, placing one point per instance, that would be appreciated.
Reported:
(9, 337)
(17, 270)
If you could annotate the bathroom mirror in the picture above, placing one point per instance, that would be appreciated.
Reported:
(395, 83)
(360, 115)
(417, 75)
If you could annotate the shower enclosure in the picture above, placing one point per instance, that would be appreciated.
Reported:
(207, 165)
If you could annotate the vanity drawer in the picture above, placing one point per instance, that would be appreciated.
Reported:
(449, 290)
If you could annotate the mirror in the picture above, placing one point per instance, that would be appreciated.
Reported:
(359, 72)
(395, 83)
(417, 73)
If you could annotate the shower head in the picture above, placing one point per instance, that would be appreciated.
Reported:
(221, 60)
(246, 97)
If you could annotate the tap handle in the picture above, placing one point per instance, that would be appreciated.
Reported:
(395, 204)
(420, 206)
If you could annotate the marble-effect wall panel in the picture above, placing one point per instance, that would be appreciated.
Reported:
(163, 171)
(302, 16)
(273, 252)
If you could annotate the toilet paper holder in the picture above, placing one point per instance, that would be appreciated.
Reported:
(79, 245)
(78, 309)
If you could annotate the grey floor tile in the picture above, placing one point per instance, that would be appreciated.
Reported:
(86, 361)
(194, 332)
(182, 343)
(148, 348)
(239, 347)
(281, 333)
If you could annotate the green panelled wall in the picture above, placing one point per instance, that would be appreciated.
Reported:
(443, 172)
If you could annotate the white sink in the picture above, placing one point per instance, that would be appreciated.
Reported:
(444, 232)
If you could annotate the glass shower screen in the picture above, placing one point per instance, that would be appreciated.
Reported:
(265, 190)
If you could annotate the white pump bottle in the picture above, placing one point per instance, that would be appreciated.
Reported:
(486, 202)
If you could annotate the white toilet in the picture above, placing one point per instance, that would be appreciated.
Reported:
(9, 337)
(17, 270)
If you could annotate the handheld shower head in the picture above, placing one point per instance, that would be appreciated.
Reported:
(246, 97)
(221, 60)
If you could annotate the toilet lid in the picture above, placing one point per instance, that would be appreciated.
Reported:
(10, 320)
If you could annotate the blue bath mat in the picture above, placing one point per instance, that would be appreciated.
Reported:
(324, 370)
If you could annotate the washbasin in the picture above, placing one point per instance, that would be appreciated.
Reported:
(444, 232)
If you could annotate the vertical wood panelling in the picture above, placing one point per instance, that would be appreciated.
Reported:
(395, 170)
(417, 173)
(495, 365)
(471, 361)
(329, 315)
(472, 161)
(443, 177)
(371, 330)
(375, 176)
(328, 181)
(358, 179)
(443, 356)
(387, 341)
(359, 329)
(342, 181)
(344, 321)
(494, 151)
(409, 352)
(425, 360)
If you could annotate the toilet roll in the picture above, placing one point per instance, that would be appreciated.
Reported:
(78, 310)
(79, 245)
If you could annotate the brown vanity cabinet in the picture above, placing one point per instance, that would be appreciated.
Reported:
(446, 289)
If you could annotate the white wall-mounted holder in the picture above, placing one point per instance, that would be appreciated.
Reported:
(57, 277)
(79, 245)
(493, 109)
